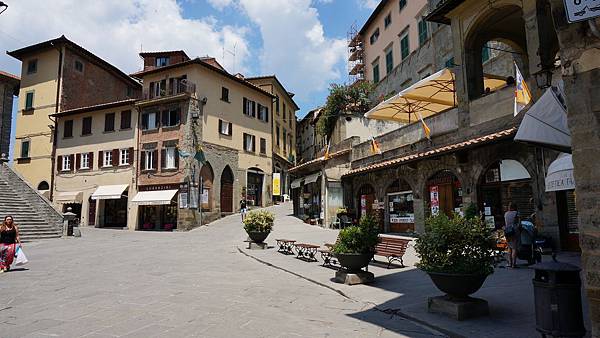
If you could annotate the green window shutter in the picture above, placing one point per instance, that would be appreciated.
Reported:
(404, 48)
(422, 31)
(485, 53)
(376, 73)
(389, 61)
(29, 100)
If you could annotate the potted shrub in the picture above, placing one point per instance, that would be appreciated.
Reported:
(258, 224)
(355, 246)
(457, 253)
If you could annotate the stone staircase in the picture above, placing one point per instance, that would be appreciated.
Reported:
(33, 214)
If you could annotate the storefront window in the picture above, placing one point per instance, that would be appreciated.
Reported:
(401, 214)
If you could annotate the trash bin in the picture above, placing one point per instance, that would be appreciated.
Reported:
(557, 293)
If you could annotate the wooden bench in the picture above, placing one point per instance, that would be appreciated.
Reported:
(327, 255)
(393, 248)
(307, 252)
(285, 246)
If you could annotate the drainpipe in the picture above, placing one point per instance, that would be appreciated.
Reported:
(54, 131)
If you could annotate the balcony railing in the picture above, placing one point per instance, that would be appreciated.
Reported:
(173, 88)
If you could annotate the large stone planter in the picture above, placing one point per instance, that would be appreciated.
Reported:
(457, 286)
(354, 262)
(258, 236)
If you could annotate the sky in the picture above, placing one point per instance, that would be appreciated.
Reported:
(303, 42)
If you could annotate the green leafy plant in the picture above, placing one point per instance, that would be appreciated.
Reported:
(471, 210)
(358, 239)
(343, 99)
(455, 245)
(259, 221)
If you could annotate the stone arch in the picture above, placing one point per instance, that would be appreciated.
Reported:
(43, 186)
(226, 192)
(207, 177)
(504, 24)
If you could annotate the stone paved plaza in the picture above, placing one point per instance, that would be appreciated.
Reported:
(184, 284)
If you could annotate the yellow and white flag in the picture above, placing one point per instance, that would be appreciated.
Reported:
(375, 149)
(522, 93)
(326, 155)
(426, 129)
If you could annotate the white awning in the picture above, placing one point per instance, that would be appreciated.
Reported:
(296, 183)
(69, 197)
(109, 192)
(545, 123)
(157, 197)
(311, 178)
(560, 174)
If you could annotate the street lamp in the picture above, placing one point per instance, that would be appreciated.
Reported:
(543, 78)
(3, 7)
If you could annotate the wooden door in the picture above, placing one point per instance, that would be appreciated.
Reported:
(446, 197)
(227, 190)
(92, 212)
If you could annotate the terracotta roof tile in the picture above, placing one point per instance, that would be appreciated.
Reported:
(320, 159)
(14, 77)
(436, 151)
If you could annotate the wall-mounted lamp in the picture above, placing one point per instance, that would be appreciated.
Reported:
(543, 78)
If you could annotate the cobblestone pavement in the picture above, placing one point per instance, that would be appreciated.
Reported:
(196, 284)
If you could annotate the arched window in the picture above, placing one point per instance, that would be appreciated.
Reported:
(43, 186)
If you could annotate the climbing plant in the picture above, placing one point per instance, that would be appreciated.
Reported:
(342, 100)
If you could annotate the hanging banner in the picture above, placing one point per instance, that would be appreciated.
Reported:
(276, 184)
(435, 199)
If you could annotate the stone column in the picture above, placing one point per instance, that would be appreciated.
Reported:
(580, 58)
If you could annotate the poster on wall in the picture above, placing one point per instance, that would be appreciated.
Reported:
(193, 198)
(363, 205)
(183, 200)
(276, 184)
(435, 199)
(204, 197)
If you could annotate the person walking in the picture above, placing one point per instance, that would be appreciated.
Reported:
(512, 233)
(9, 238)
(243, 208)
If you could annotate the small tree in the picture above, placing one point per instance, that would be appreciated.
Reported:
(344, 99)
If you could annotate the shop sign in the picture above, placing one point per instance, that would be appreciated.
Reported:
(402, 219)
(490, 222)
(204, 196)
(183, 196)
(435, 199)
(579, 10)
(276, 184)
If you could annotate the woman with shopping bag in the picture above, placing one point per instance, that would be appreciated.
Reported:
(9, 238)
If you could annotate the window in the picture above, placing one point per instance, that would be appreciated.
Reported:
(423, 34)
(277, 134)
(84, 161)
(86, 127)
(129, 92)
(450, 62)
(66, 163)
(376, 72)
(169, 158)
(124, 157)
(79, 66)
(263, 113)
(402, 4)
(107, 158)
(225, 128)
(25, 145)
(68, 129)
(404, 47)
(389, 60)
(29, 101)
(125, 119)
(284, 110)
(263, 146)
(32, 66)
(225, 94)
(485, 53)
(249, 143)
(249, 107)
(284, 141)
(109, 122)
(388, 20)
(149, 121)
(149, 160)
(374, 36)
(291, 119)
(277, 104)
(162, 61)
(170, 118)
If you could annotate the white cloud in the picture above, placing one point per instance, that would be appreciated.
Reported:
(116, 30)
(369, 4)
(295, 47)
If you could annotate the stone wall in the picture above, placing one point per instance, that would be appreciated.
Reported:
(42, 206)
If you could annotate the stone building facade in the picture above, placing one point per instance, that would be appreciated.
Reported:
(9, 87)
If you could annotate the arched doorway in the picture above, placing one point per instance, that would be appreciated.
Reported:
(503, 182)
(227, 190)
(401, 212)
(254, 183)
(366, 197)
(444, 193)
(206, 176)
